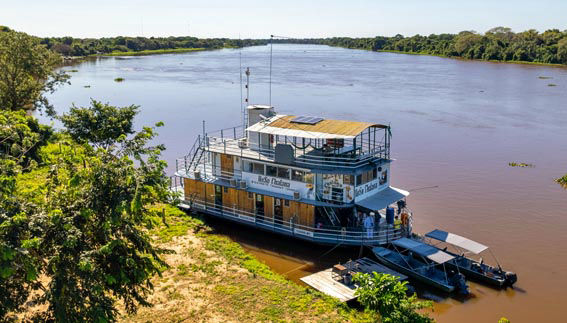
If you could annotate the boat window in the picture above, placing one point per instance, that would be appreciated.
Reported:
(309, 178)
(250, 195)
(374, 173)
(365, 178)
(286, 203)
(359, 179)
(297, 175)
(271, 170)
(226, 189)
(247, 166)
(258, 168)
(283, 172)
(348, 180)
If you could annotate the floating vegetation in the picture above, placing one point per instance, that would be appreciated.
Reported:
(72, 71)
(87, 86)
(512, 164)
(551, 84)
(562, 181)
(544, 77)
(119, 79)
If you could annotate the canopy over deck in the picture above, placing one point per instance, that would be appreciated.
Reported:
(457, 240)
(383, 198)
(424, 250)
(283, 125)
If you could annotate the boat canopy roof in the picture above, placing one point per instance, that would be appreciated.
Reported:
(423, 249)
(286, 125)
(382, 198)
(457, 240)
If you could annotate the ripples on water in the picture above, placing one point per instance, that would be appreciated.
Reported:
(456, 125)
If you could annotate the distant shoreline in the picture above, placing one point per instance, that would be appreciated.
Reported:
(464, 59)
(153, 52)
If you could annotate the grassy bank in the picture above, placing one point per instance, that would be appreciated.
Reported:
(212, 278)
(465, 59)
(154, 52)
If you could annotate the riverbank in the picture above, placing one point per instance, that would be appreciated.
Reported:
(466, 59)
(154, 52)
(213, 279)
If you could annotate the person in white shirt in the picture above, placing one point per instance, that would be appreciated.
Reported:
(369, 225)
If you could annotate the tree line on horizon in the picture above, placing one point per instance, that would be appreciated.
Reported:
(497, 44)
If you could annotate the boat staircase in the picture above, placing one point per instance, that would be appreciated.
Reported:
(330, 213)
(193, 158)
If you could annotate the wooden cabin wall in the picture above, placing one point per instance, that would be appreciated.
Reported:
(227, 164)
(245, 203)
(306, 214)
(229, 198)
(290, 211)
(210, 193)
(193, 189)
(268, 207)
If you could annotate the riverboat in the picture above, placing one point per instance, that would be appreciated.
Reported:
(306, 177)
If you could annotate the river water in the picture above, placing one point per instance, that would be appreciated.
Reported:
(455, 124)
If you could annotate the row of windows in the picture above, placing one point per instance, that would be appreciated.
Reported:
(367, 176)
(277, 171)
(276, 201)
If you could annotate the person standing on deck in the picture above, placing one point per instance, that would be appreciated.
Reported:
(369, 225)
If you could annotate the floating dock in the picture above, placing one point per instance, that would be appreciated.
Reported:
(327, 282)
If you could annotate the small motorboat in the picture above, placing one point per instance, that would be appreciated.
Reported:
(422, 262)
(471, 268)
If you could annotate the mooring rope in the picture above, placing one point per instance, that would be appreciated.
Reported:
(321, 256)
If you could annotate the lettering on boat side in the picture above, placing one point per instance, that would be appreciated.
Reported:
(366, 188)
(280, 183)
(277, 185)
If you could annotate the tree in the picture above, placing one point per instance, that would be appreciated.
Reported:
(20, 138)
(386, 295)
(95, 248)
(562, 51)
(27, 73)
(101, 124)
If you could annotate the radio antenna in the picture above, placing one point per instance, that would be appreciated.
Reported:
(247, 95)
(242, 111)
(271, 50)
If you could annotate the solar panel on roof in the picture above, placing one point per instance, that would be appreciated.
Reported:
(306, 120)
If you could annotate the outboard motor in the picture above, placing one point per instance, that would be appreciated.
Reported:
(460, 284)
(511, 278)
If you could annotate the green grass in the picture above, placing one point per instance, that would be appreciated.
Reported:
(154, 52)
(119, 79)
(263, 295)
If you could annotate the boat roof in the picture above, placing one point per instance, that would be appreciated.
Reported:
(285, 125)
(423, 249)
(382, 198)
(457, 240)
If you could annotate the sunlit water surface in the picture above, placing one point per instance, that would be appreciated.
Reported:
(456, 126)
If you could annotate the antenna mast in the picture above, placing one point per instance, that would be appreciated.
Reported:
(247, 95)
(242, 111)
(271, 47)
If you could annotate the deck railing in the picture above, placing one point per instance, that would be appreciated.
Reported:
(348, 236)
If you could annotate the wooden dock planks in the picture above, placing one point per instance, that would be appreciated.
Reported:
(324, 281)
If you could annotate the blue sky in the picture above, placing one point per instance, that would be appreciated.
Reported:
(259, 19)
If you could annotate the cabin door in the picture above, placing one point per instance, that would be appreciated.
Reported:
(227, 165)
(260, 206)
(218, 196)
(278, 211)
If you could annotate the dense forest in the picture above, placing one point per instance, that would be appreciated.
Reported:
(497, 44)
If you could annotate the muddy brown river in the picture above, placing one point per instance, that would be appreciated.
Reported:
(456, 126)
